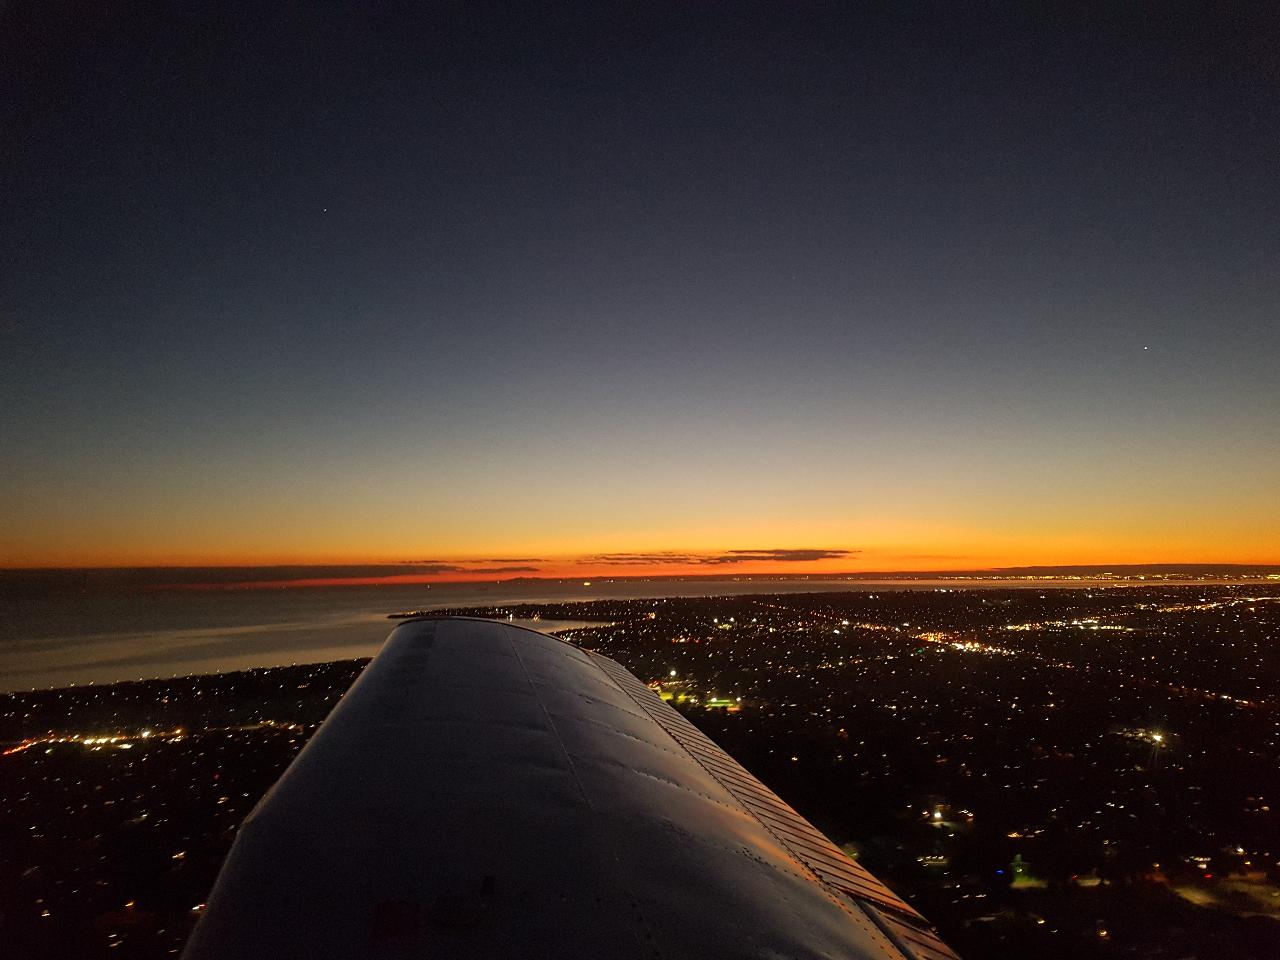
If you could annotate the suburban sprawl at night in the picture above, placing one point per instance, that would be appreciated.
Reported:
(1085, 772)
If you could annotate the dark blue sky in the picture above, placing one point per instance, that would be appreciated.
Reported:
(369, 281)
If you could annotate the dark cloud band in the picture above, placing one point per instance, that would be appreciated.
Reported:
(771, 555)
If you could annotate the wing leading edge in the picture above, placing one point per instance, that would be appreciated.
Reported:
(484, 790)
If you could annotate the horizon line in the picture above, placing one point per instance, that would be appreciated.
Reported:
(295, 576)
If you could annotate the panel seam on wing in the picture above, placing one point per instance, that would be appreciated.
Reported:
(790, 832)
(586, 796)
(839, 901)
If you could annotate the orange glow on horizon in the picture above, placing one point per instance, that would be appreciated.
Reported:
(928, 540)
(475, 570)
(1003, 509)
(947, 555)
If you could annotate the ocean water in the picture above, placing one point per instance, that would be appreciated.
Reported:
(65, 632)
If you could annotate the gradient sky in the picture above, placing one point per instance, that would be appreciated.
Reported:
(944, 285)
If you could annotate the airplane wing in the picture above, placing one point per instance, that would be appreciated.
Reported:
(488, 791)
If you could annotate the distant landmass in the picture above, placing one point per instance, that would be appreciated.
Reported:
(109, 579)
(1113, 569)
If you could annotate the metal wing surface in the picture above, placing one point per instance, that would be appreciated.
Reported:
(488, 791)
